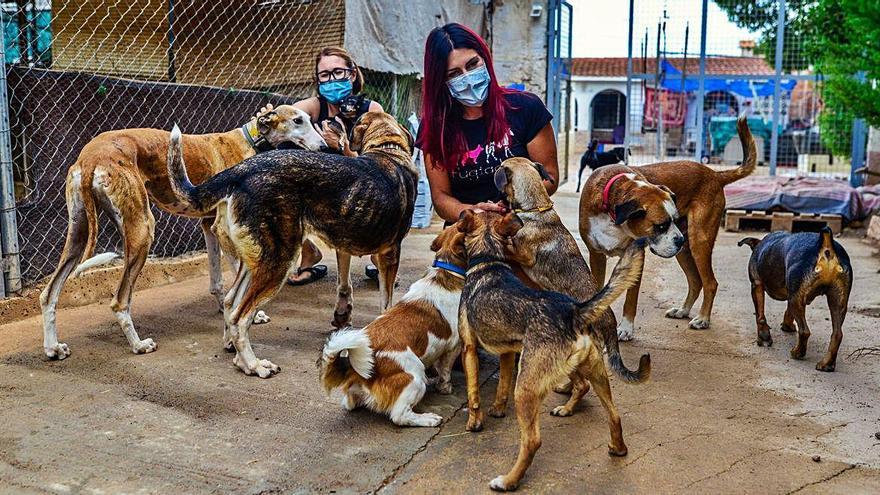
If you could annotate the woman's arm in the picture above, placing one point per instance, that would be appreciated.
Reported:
(445, 203)
(310, 106)
(542, 149)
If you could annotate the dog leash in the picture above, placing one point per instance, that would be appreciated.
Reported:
(540, 209)
(449, 267)
(606, 206)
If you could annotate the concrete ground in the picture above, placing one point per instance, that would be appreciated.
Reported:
(719, 415)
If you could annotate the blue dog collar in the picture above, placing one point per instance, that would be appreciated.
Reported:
(449, 267)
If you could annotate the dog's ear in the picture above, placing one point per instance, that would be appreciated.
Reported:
(500, 178)
(437, 243)
(357, 134)
(266, 122)
(543, 172)
(672, 194)
(631, 210)
(466, 221)
(509, 225)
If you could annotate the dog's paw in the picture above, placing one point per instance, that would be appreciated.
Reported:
(823, 366)
(500, 485)
(562, 411)
(625, 330)
(787, 328)
(764, 337)
(143, 347)
(498, 410)
(429, 420)
(563, 388)
(261, 317)
(620, 451)
(342, 319)
(699, 323)
(262, 368)
(475, 421)
(797, 353)
(58, 351)
(678, 313)
(444, 388)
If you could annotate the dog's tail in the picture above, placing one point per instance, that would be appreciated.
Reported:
(346, 350)
(624, 276)
(748, 241)
(202, 198)
(750, 154)
(827, 260)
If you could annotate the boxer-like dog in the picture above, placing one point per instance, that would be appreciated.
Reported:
(678, 206)
(120, 172)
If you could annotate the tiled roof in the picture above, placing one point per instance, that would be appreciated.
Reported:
(616, 66)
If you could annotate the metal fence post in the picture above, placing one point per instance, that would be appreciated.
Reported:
(859, 144)
(777, 88)
(10, 269)
(627, 118)
(702, 90)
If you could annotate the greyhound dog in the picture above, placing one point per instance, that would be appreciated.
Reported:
(118, 171)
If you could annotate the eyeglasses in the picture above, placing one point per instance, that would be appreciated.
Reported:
(334, 74)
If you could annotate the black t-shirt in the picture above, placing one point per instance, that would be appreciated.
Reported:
(472, 182)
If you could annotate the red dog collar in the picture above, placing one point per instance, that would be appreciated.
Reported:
(606, 207)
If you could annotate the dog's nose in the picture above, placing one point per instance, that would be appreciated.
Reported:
(679, 241)
(324, 148)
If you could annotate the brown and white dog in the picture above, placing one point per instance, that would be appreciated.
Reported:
(120, 172)
(268, 203)
(549, 255)
(382, 366)
(678, 206)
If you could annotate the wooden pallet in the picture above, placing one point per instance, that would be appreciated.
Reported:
(738, 220)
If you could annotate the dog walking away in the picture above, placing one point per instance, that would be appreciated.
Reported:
(382, 366)
(548, 253)
(797, 268)
(118, 171)
(678, 206)
(594, 160)
(504, 316)
(268, 203)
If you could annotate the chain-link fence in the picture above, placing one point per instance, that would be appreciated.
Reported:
(76, 68)
(693, 71)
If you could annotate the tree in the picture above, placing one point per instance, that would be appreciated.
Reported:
(844, 41)
(761, 15)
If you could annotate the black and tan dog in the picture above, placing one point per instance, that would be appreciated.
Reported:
(678, 206)
(120, 173)
(798, 268)
(358, 206)
(548, 253)
(504, 316)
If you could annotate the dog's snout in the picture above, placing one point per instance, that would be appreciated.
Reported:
(323, 147)
(679, 241)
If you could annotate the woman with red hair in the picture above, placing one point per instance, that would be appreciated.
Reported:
(470, 124)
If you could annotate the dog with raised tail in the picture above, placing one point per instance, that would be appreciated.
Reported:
(382, 366)
(120, 173)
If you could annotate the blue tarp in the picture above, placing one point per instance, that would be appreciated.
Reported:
(743, 87)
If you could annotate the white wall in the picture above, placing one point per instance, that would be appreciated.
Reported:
(519, 47)
(584, 89)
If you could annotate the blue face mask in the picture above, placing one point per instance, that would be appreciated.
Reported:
(470, 88)
(335, 91)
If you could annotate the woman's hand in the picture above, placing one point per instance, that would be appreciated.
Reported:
(333, 135)
(268, 108)
(490, 206)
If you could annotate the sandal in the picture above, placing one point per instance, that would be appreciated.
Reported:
(317, 273)
(371, 272)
